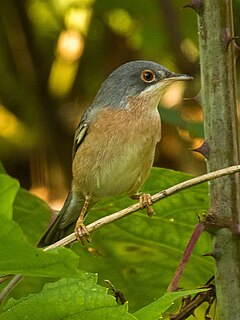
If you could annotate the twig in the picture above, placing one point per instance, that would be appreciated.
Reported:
(5, 278)
(173, 286)
(127, 211)
(156, 197)
(9, 287)
(189, 305)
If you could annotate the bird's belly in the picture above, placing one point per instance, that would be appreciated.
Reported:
(115, 171)
(122, 175)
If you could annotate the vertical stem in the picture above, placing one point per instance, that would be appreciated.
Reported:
(218, 74)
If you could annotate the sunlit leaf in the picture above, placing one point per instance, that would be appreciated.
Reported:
(65, 299)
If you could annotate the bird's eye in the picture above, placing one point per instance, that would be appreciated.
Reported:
(148, 76)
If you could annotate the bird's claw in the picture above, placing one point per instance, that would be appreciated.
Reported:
(146, 202)
(82, 233)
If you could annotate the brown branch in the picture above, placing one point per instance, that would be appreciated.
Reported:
(156, 197)
(173, 286)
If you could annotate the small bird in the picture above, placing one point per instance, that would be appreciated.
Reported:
(114, 144)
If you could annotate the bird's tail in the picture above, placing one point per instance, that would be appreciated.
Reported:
(65, 221)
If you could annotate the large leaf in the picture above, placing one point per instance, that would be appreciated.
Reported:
(31, 214)
(17, 255)
(68, 298)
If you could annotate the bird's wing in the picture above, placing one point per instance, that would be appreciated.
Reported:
(81, 130)
(83, 126)
(79, 135)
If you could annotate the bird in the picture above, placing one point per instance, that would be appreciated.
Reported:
(114, 144)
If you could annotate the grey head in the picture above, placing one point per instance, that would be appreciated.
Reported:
(130, 80)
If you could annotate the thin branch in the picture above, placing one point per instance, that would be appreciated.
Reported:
(173, 286)
(10, 286)
(156, 197)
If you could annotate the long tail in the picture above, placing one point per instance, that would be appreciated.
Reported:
(65, 221)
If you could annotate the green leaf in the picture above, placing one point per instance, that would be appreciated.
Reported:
(17, 255)
(31, 213)
(2, 169)
(154, 310)
(68, 298)
(9, 189)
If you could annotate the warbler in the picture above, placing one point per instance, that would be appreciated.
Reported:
(114, 144)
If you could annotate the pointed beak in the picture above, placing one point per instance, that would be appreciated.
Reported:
(163, 83)
(177, 77)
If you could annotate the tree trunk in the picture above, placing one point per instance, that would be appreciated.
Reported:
(218, 94)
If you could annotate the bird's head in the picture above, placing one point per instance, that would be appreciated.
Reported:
(139, 79)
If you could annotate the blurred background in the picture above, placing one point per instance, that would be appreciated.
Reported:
(54, 55)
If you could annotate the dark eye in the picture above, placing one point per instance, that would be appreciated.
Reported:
(148, 76)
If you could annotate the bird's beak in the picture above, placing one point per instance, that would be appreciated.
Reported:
(177, 77)
(162, 84)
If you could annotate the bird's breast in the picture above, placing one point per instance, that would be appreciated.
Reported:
(117, 153)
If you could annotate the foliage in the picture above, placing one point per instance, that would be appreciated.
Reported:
(83, 298)
(131, 253)
(78, 299)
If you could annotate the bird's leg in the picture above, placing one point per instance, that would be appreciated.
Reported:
(146, 202)
(80, 229)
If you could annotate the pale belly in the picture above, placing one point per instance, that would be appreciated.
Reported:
(123, 175)
(114, 171)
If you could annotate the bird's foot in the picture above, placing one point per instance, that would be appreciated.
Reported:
(82, 233)
(145, 200)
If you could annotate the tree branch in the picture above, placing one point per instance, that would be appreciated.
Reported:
(156, 197)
